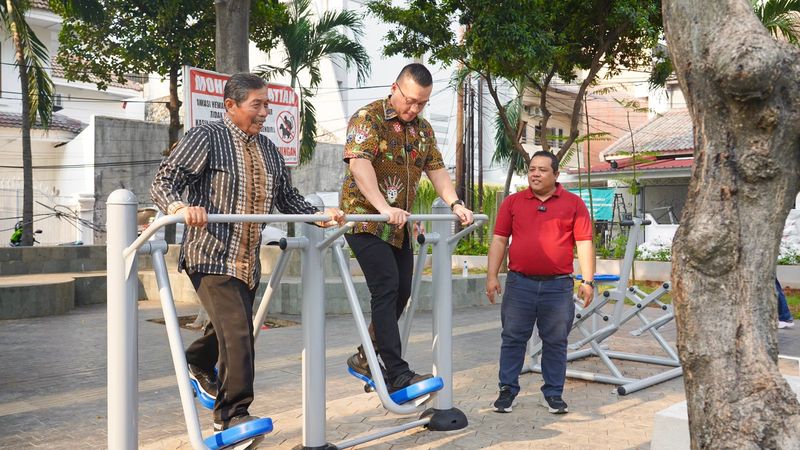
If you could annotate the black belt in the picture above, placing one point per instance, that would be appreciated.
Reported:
(544, 277)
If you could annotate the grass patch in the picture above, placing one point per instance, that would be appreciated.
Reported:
(793, 300)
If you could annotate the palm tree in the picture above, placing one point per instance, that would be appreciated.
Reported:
(504, 152)
(37, 92)
(781, 17)
(305, 43)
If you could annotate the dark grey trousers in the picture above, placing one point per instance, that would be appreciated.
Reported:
(227, 340)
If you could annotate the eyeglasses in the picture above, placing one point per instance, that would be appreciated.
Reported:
(411, 101)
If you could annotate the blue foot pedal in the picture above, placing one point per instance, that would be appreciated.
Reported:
(240, 433)
(601, 277)
(206, 400)
(412, 392)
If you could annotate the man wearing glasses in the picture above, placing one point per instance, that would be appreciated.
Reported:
(388, 147)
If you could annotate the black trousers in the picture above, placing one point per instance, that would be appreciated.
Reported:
(388, 271)
(227, 340)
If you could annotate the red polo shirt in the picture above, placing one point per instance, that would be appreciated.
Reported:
(543, 234)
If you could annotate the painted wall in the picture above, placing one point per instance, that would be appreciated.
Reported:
(126, 154)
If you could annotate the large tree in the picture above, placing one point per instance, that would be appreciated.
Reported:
(742, 88)
(533, 40)
(232, 37)
(36, 89)
(137, 37)
(305, 41)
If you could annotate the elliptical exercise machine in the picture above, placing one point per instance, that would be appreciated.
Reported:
(593, 336)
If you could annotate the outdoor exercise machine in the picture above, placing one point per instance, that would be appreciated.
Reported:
(123, 247)
(593, 335)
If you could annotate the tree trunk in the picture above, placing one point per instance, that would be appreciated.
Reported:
(27, 158)
(742, 89)
(232, 36)
(174, 108)
(509, 176)
(461, 185)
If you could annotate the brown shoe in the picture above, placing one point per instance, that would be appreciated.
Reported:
(358, 362)
(407, 379)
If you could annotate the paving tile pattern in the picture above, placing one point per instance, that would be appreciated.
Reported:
(53, 388)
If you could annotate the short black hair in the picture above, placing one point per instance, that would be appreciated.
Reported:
(553, 159)
(417, 72)
(239, 86)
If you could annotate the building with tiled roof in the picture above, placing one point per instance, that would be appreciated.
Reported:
(659, 155)
(40, 4)
(668, 134)
(58, 122)
(70, 156)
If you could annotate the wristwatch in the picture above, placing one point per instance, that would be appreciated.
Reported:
(457, 202)
(590, 283)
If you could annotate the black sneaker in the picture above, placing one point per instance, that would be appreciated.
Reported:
(233, 421)
(358, 362)
(556, 404)
(505, 401)
(407, 379)
(207, 381)
(238, 420)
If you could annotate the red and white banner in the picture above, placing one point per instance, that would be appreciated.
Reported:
(203, 95)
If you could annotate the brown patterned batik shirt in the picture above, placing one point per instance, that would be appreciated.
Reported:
(219, 167)
(399, 152)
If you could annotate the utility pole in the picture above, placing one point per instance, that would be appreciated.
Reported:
(480, 152)
(460, 184)
(471, 148)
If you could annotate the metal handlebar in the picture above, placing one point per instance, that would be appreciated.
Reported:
(630, 223)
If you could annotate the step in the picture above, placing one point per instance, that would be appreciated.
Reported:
(23, 296)
(90, 287)
(671, 425)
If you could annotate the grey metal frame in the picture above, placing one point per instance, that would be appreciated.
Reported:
(593, 336)
(443, 243)
(122, 248)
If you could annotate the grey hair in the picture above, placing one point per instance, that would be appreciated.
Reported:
(240, 85)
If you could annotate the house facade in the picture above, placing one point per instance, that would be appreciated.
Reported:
(63, 174)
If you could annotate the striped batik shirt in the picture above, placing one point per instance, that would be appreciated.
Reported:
(226, 171)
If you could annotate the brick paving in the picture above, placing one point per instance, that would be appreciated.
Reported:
(53, 382)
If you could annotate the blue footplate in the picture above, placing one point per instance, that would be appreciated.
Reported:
(205, 400)
(410, 393)
(239, 433)
(601, 277)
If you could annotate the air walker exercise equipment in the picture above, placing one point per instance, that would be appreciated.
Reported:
(122, 249)
(594, 335)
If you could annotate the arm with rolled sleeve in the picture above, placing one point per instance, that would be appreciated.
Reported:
(182, 167)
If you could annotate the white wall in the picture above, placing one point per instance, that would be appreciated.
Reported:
(79, 100)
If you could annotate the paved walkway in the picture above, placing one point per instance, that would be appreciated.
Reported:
(53, 388)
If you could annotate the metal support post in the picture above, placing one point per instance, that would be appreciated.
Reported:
(122, 324)
(313, 318)
(444, 417)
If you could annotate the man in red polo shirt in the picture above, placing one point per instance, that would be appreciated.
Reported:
(544, 223)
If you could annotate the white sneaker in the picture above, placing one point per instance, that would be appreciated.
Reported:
(782, 324)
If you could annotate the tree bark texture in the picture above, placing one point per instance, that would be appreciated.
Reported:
(232, 36)
(743, 92)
